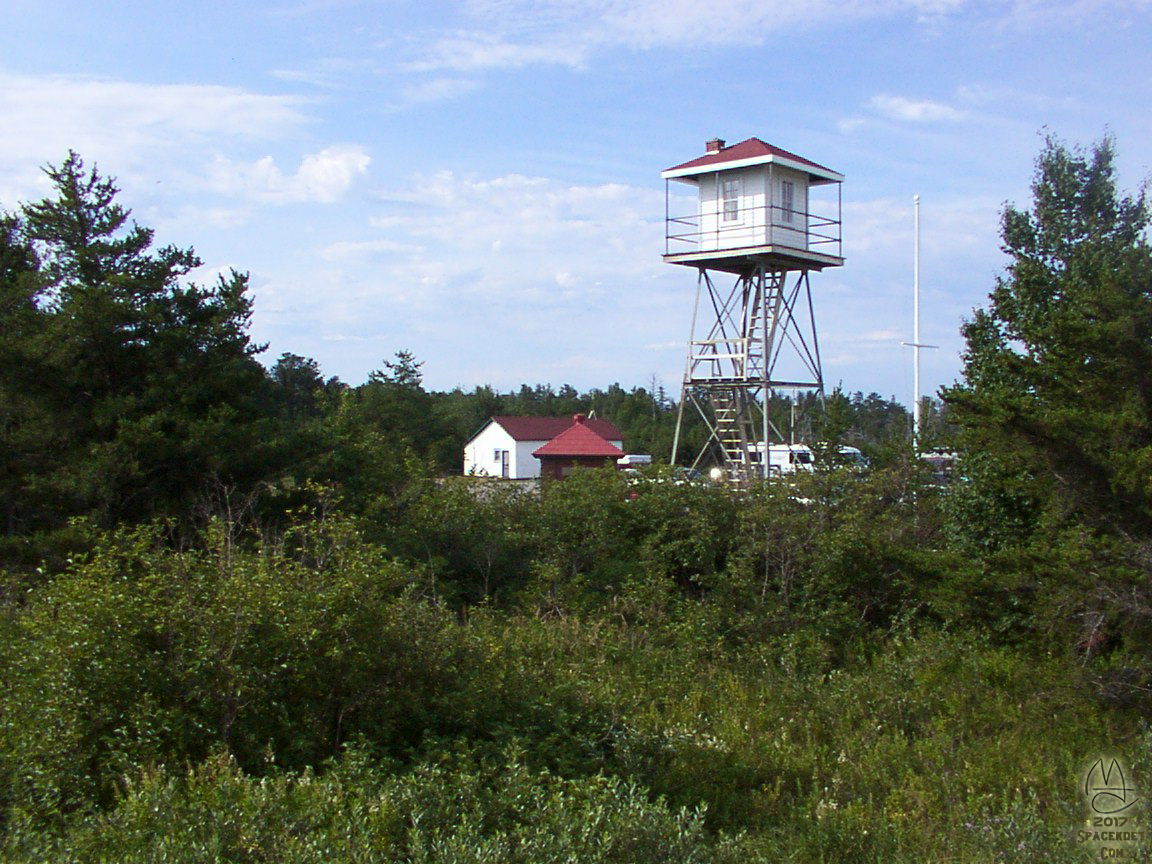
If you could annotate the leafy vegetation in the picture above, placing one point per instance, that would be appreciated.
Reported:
(250, 618)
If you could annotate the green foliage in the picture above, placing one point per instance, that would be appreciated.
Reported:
(1056, 420)
(138, 656)
(301, 389)
(126, 390)
(24, 424)
(475, 535)
(835, 423)
(681, 728)
(1056, 367)
(437, 813)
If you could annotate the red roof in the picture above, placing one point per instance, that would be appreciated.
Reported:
(579, 439)
(752, 148)
(547, 428)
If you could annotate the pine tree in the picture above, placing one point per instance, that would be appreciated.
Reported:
(1056, 404)
(146, 380)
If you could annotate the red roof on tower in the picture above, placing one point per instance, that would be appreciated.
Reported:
(751, 150)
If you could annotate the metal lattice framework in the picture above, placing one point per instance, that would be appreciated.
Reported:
(740, 336)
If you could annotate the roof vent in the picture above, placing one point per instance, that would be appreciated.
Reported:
(715, 145)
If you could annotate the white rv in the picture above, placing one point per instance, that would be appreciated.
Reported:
(790, 458)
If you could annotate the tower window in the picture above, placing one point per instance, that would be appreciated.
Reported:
(731, 195)
(788, 199)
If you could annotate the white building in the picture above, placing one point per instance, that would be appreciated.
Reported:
(504, 446)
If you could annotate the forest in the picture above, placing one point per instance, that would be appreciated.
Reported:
(249, 613)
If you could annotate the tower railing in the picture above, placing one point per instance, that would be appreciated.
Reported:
(766, 225)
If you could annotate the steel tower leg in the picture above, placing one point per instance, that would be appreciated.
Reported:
(740, 335)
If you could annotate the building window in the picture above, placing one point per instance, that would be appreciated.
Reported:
(788, 199)
(731, 195)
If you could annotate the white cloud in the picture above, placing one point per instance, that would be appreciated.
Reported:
(647, 23)
(1012, 100)
(515, 228)
(458, 258)
(138, 132)
(348, 250)
(958, 236)
(881, 226)
(474, 50)
(223, 218)
(914, 110)
(1062, 13)
(437, 90)
(514, 33)
(517, 33)
(47, 111)
(322, 177)
(882, 337)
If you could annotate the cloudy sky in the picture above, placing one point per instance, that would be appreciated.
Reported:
(478, 182)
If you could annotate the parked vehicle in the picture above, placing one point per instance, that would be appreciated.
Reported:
(791, 458)
(634, 460)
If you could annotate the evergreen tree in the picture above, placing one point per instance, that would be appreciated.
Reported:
(1055, 417)
(24, 431)
(147, 382)
(1056, 404)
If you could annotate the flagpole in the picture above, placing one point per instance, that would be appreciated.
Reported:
(916, 328)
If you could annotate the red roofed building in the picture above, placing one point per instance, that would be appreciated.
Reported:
(578, 446)
(505, 446)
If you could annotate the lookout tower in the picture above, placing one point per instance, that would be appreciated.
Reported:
(763, 219)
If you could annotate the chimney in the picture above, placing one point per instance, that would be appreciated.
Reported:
(715, 145)
(579, 418)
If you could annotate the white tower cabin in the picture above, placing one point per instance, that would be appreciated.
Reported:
(767, 217)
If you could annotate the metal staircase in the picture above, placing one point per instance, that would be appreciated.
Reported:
(730, 424)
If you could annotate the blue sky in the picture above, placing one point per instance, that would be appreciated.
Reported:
(479, 182)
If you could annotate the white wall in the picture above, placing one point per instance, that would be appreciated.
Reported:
(709, 218)
(480, 453)
(760, 221)
(748, 228)
(792, 234)
(524, 463)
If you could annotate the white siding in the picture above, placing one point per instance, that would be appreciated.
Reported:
(793, 232)
(709, 219)
(747, 229)
(482, 453)
(761, 219)
(524, 464)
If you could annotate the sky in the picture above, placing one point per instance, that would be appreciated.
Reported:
(478, 182)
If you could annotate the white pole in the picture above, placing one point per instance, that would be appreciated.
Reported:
(916, 329)
(916, 344)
